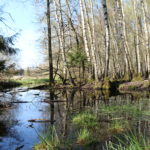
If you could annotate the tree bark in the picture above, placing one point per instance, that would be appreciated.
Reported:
(51, 80)
(59, 18)
(146, 32)
(84, 31)
(107, 37)
(125, 42)
(137, 38)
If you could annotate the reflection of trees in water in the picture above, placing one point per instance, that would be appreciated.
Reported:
(76, 100)
(7, 116)
(9, 125)
(3, 129)
(72, 101)
(7, 130)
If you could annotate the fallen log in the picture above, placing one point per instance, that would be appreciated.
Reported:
(53, 101)
(19, 147)
(21, 102)
(40, 120)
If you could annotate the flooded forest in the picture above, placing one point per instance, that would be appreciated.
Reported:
(91, 91)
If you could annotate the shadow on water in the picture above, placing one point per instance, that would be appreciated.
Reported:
(56, 108)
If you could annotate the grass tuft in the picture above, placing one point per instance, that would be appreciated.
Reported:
(85, 119)
(84, 137)
(50, 142)
(130, 142)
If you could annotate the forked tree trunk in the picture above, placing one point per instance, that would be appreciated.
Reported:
(70, 22)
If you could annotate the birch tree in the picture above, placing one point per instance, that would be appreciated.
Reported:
(137, 38)
(146, 32)
(59, 18)
(107, 37)
(84, 30)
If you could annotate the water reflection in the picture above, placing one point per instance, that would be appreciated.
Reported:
(56, 106)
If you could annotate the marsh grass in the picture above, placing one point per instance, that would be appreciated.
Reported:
(115, 120)
(84, 137)
(33, 81)
(119, 125)
(128, 110)
(129, 142)
(50, 141)
(85, 119)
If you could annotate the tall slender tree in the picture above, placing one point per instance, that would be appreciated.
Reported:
(137, 42)
(48, 14)
(107, 37)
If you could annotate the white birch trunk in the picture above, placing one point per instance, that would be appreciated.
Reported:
(61, 35)
(91, 31)
(137, 38)
(84, 31)
(126, 46)
(107, 37)
(146, 32)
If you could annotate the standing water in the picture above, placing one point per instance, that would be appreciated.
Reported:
(29, 114)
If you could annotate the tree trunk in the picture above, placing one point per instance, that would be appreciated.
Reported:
(62, 39)
(70, 22)
(125, 42)
(51, 80)
(107, 37)
(91, 31)
(84, 31)
(146, 32)
(137, 39)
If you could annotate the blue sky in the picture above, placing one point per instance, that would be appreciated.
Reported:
(24, 22)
